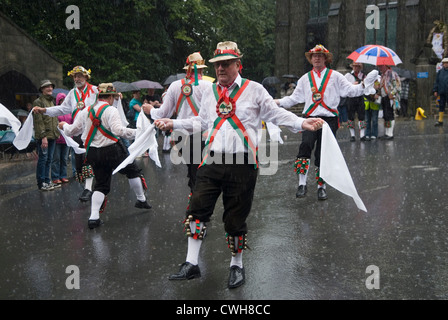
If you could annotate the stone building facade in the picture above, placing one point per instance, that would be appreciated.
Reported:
(24, 63)
(340, 25)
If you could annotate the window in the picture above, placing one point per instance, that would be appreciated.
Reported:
(386, 35)
(318, 8)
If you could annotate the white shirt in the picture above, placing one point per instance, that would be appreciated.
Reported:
(254, 104)
(70, 103)
(172, 96)
(338, 86)
(110, 119)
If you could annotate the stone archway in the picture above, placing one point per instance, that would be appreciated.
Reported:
(16, 90)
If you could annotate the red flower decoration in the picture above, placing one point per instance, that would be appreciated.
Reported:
(96, 123)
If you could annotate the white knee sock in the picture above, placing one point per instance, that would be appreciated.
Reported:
(302, 179)
(97, 201)
(89, 183)
(136, 186)
(352, 132)
(237, 260)
(194, 245)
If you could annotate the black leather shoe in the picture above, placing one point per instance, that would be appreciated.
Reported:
(301, 191)
(86, 195)
(352, 139)
(321, 194)
(236, 277)
(142, 205)
(94, 223)
(438, 124)
(187, 271)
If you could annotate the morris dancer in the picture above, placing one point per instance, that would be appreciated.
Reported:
(320, 90)
(356, 105)
(83, 95)
(183, 101)
(231, 111)
(100, 127)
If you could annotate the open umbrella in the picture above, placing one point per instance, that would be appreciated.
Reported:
(405, 73)
(290, 76)
(270, 81)
(19, 112)
(56, 91)
(147, 84)
(174, 77)
(124, 86)
(375, 54)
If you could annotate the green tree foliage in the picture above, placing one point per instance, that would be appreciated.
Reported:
(128, 40)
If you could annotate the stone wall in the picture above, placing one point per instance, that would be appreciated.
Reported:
(20, 53)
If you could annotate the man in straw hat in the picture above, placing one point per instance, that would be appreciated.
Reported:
(82, 95)
(441, 88)
(45, 132)
(101, 126)
(320, 90)
(356, 105)
(183, 101)
(231, 111)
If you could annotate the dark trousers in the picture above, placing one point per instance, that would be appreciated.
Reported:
(192, 157)
(314, 138)
(236, 182)
(79, 158)
(388, 110)
(356, 105)
(105, 160)
(442, 103)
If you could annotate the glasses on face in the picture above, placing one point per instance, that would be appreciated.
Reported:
(223, 64)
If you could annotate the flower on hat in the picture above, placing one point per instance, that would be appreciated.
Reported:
(80, 69)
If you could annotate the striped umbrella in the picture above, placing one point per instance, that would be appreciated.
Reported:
(376, 55)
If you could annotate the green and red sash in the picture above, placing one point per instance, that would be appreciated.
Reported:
(318, 95)
(96, 125)
(225, 109)
(186, 94)
(80, 99)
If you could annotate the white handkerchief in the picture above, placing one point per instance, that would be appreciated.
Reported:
(274, 132)
(23, 138)
(72, 143)
(333, 168)
(6, 117)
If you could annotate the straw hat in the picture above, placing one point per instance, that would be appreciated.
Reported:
(195, 59)
(226, 50)
(319, 49)
(79, 69)
(106, 89)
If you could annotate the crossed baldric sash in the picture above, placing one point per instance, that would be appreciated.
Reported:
(225, 108)
(96, 125)
(318, 95)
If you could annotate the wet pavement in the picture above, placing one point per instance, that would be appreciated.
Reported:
(301, 249)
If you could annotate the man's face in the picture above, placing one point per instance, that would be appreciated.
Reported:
(227, 71)
(79, 79)
(382, 68)
(356, 68)
(47, 91)
(318, 60)
(445, 65)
